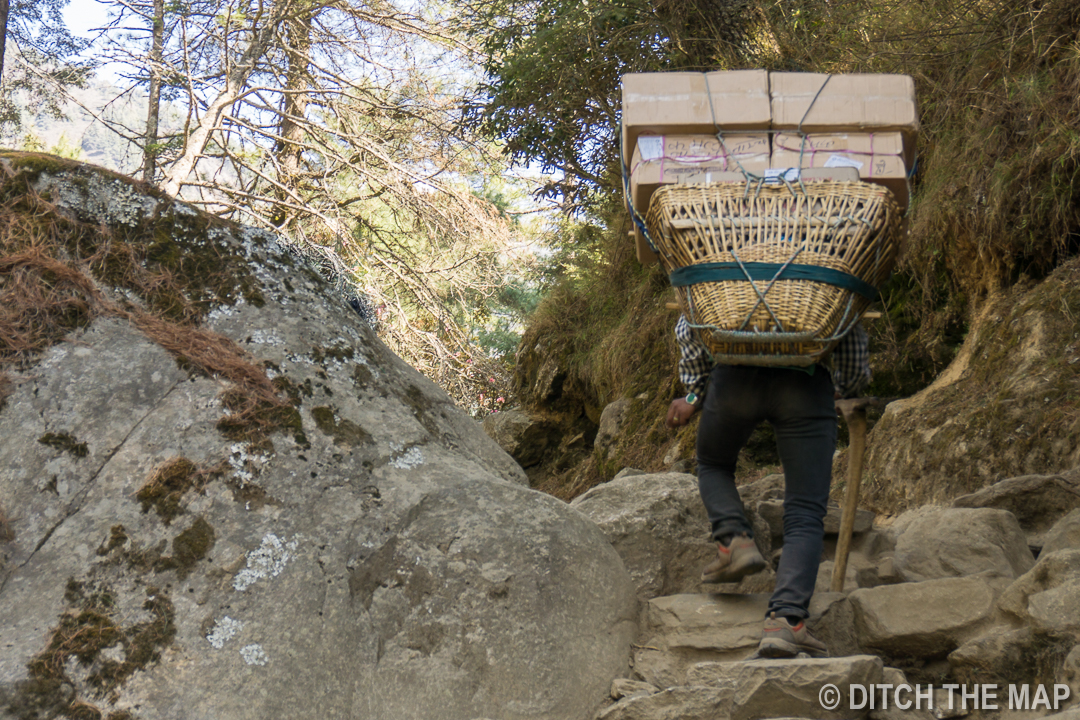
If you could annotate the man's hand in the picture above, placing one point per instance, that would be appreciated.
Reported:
(679, 413)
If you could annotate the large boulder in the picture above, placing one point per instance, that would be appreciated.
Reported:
(925, 619)
(657, 524)
(962, 541)
(189, 544)
(525, 438)
(1064, 535)
(1007, 655)
(793, 688)
(1037, 501)
(996, 412)
(1047, 596)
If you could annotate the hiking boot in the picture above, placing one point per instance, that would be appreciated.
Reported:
(734, 562)
(781, 639)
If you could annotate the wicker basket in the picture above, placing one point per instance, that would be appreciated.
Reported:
(774, 274)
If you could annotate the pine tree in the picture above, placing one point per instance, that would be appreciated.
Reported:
(38, 60)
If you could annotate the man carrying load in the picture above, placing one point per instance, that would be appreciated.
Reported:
(799, 404)
(773, 201)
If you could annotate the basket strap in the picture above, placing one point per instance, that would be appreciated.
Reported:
(725, 271)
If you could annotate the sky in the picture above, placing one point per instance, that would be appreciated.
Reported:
(81, 16)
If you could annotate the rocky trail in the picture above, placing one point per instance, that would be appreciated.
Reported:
(173, 552)
(983, 592)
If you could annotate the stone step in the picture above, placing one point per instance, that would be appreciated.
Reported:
(679, 631)
(753, 689)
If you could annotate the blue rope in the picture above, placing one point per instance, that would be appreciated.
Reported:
(724, 271)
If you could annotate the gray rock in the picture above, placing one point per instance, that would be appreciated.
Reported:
(628, 472)
(1047, 596)
(676, 703)
(949, 704)
(611, 422)
(887, 573)
(1007, 655)
(1037, 501)
(962, 541)
(1064, 535)
(790, 688)
(380, 558)
(657, 524)
(773, 513)
(1069, 674)
(887, 709)
(855, 563)
(925, 619)
(832, 621)
(679, 631)
(770, 487)
(624, 688)
(523, 437)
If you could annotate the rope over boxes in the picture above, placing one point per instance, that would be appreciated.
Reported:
(774, 274)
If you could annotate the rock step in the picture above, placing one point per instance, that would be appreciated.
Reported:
(680, 631)
(749, 689)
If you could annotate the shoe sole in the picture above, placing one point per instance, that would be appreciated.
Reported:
(775, 648)
(734, 574)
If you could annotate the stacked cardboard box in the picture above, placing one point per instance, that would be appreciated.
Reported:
(671, 159)
(687, 103)
(878, 157)
(868, 122)
(704, 127)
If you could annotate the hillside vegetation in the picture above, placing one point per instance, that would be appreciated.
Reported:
(995, 194)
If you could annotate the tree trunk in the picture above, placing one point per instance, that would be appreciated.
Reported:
(235, 83)
(294, 104)
(150, 138)
(3, 36)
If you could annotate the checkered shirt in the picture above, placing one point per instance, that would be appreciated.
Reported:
(850, 361)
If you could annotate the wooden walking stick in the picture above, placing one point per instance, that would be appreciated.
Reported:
(854, 412)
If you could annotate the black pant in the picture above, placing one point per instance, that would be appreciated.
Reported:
(801, 409)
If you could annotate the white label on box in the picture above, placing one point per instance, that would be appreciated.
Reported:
(842, 161)
(651, 147)
(775, 175)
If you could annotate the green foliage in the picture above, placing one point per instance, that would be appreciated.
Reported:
(552, 70)
(997, 194)
(41, 61)
(604, 325)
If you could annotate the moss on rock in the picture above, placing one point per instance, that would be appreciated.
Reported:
(65, 442)
(345, 432)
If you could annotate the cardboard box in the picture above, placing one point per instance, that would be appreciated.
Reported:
(817, 103)
(689, 103)
(645, 254)
(672, 159)
(879, 157)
